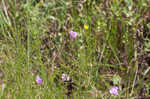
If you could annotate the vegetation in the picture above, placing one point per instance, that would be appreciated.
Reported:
(74, 49)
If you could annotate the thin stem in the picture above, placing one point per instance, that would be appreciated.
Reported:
(136, 66)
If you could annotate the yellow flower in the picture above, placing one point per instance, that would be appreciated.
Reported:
(86, 27)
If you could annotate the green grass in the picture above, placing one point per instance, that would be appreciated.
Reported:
(35, 41)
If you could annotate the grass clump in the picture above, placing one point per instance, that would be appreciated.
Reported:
(55, 49)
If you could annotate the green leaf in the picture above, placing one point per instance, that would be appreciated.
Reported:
(116, 79)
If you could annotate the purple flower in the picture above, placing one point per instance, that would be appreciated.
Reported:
(114, 90)
(73, 34)
(39, 80)
(64, 77)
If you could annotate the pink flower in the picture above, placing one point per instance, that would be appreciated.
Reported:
(114, 90)
(73, 34)
(64, 77)
(39, 80)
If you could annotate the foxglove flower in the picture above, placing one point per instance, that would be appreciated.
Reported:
(73, 34)
(114, 90)
(39, 80)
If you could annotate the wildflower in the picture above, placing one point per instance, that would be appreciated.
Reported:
(39, 80)
(73, 34)
(86, 27)
(64, 77)
(114, 90)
